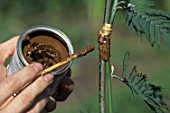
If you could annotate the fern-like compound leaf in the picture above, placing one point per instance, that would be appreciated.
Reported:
(149, 93)
(147, 22)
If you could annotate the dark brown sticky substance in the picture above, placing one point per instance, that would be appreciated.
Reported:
(44, 49)
(85, 51)
(104, 47)
(104, 41)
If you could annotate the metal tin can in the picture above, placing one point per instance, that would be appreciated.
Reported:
(18, 60)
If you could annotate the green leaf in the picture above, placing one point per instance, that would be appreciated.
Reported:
(129, 18)
(165, 36)
(142, 35)
(132, 75)
(147, 22)
(125, 64)
(149, 93)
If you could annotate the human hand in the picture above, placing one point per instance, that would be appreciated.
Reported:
(33, 98)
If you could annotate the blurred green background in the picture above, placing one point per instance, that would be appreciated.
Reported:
(80, 20)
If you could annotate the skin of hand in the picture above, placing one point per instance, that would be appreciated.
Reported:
(34, 98)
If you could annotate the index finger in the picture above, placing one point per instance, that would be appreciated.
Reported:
(18, 80)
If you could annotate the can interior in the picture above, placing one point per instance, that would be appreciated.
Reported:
(46, 38)
(44, 32)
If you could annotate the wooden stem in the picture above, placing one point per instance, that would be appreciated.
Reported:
(84, 52)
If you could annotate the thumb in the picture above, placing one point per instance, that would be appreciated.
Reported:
(7, 49)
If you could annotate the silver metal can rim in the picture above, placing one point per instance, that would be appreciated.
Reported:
(50, 29)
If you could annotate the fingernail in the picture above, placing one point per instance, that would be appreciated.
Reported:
(37, 66)
(49, 77)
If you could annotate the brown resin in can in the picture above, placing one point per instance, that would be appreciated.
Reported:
(44, 49)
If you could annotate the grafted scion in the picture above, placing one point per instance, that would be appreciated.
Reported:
(104, 42)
